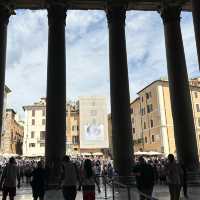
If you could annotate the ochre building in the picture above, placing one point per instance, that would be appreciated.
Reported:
(151, 117)
(12, 137)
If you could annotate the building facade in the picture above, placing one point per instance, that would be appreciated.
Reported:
(72, 128)
(151, 117)
(35, 119)
(2, 131)
(34, 129)
(152, 121)
(93, 124)
(12, 137)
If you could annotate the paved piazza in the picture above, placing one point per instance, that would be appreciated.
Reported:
(160, 192)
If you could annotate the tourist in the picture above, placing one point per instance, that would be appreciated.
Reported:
(27, 172)
(38, 181)
(88, 180)
(69, 179)
(144, 173)
(174, 174)
(9, 179)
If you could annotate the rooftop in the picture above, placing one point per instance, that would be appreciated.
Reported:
(149, 5)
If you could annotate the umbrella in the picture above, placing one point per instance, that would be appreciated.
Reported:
(140, 153)
(154, 153)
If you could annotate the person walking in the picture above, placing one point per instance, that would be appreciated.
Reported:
(174, 175)
(144, 173)
(88, 180)
(69, 179)
(38, 182)
(9, 179)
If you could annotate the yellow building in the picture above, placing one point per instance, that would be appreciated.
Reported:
(152, 121)
(12, 138)
(72, 128)
(151, 116)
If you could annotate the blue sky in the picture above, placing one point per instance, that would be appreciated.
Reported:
(87, 53)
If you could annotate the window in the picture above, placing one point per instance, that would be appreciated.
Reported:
(132, 120)
(151, 123)
(142, 99)
(31, 144)
(43, 121)
(196, 95)
(149, 108)
(75, 139)
(33, 122)
(152, 138)
(33, 113)
(41, 144)
(43, 112)
(32, 134)
(145, 139)
(143, 111)
(198, 122)
(197, 107)
(147, 95)
(42, 135)
(144, 125)
(73, 128)
(133, 130)
(77, 128)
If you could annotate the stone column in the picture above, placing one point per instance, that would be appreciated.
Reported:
(196, 20)
(4, 19)
(55, 146)
(119, 91)
(184, 130)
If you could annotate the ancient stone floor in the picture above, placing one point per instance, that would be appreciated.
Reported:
(160, 192)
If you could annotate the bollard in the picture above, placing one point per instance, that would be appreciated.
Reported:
(105, 188)
(113, 190)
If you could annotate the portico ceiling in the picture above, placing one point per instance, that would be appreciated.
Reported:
(150, 5)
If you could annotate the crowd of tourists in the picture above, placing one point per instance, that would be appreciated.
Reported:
(85, 173)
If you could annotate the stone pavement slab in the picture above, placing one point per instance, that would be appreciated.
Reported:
(160, 192)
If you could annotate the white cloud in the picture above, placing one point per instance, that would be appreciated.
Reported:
(87, 53)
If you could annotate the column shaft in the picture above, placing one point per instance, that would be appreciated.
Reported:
(196, 20)
(184, 130)
(55, 146)
(4, 18)
(119, 91)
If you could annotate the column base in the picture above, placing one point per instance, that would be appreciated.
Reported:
(53, 194)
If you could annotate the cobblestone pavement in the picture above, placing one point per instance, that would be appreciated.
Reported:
(160, 192)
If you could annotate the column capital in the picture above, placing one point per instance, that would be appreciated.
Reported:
(116, 12)
(5, 13)
(57, 14)
(170, 13)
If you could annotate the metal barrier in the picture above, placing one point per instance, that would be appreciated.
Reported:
(128, 190)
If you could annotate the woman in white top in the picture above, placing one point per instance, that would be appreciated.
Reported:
(88, 181)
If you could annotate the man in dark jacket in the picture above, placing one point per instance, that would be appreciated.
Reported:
(38, 182)
(8, 179)
(144, 178)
